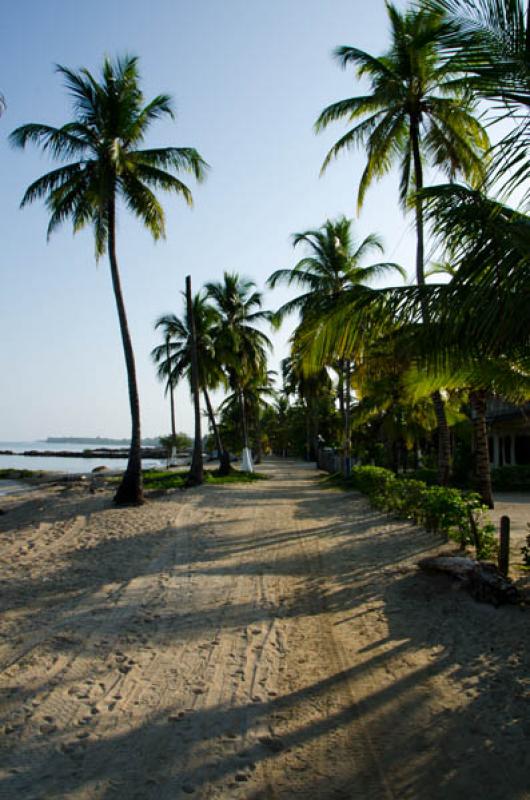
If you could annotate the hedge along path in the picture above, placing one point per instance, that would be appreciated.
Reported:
(270, 640)
(458, 515)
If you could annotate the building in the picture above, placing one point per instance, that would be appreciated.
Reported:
(508, 433)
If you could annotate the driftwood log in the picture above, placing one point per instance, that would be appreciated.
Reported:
(481, 579)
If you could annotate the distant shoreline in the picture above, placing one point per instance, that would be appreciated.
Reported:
(98, 440)
(101, 452)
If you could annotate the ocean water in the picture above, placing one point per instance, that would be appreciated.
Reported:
(72, 465)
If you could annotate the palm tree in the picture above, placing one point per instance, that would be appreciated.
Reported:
(277, 424)
(331, 268)
(244, 346)
(333, 265)
(477, 339)
(385, 410)
(309, 387)
(419, 111)
(174, 358)
(491, 40)
(481, 315)
(258, 389)
(111, 121)
(483, 310)
(480, 377)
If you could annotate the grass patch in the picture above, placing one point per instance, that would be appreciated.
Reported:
(17, 474)
(236, 476)
(162, 479)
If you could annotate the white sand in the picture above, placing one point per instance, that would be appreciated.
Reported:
(272, 640)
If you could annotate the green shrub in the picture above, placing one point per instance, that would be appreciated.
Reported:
(428, 476)
(369, 479)
(406, 498)
(488, 545)
(447, 510)
(17, 474)
(455, 514)
(157, 479)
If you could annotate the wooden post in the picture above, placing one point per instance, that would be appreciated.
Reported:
(504, 549)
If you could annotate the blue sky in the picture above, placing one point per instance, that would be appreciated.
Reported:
(248, 78)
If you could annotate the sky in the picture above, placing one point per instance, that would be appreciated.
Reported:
(248, 79)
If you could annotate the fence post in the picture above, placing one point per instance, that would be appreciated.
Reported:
(504, 549)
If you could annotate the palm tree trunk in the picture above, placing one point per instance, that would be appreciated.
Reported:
(482, 458)
(196, 473)
(259, 449)
(340, 390)
(243, 417)
(171, 393)
(224, 458)
(130, 490)
(444, 439)
(213, 423)
(307, 432)
(527, 37)
(347, 431)
(416, 450)
(313, 427)
(418, 178)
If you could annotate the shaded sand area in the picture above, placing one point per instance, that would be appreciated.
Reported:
(270, 640)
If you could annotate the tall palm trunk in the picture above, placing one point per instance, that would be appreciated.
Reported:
(444, 439)
(315, 427)
(171, 393)
(527, 37)
(340, 390)
(482, 458)
(243, 417)
(130, 489)
(347, 431)
(259, 448)
(196, 473)
(224, 458)
(418, 178)
(307, 432)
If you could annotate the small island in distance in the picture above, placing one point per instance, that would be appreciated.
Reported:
(97, 447)
(99, 440)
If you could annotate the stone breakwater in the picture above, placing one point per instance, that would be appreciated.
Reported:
(100, 452)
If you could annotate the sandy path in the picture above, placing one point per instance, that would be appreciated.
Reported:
(261, 641)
